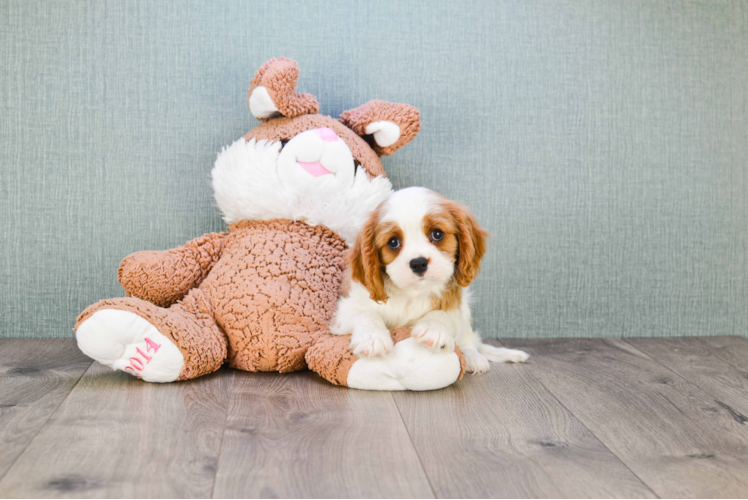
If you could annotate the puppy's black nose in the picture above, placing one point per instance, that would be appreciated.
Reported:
(419, 265)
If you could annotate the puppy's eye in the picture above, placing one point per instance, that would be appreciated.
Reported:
(437, 235)
(394, 243)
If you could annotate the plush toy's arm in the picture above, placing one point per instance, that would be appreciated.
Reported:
(164, 277)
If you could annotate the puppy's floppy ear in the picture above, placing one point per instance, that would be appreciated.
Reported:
(366, 268)
(471, 244)
(272, 91)
(391, 125)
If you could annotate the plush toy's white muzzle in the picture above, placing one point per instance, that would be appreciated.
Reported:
(316, 157)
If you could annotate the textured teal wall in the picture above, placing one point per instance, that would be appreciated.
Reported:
(603, 143)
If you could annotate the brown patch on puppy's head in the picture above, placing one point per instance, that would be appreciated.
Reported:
(365, 260)
(471, 242)
(463, 238)
(442, 219)
(386, 232)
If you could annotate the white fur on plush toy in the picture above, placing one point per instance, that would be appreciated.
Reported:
(409, 367)
(256, 180)
(124, 341)
(385, 133)
(261, 105)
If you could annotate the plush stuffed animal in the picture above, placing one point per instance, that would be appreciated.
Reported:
(294, 191)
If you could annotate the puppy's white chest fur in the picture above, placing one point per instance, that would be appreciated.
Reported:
(406, 311)
(402, 309)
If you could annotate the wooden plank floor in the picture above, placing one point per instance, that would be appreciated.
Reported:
(638, 418)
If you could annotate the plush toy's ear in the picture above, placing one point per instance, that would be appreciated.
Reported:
(273, 91)
(391, 125)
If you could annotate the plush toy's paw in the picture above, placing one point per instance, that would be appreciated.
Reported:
(475, 362)
(503, 355)
(434, 335)
(124, 341)
(372, 344)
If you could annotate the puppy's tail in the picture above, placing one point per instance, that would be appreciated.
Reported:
(502, 354)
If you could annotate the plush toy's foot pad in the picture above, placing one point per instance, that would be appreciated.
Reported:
(124, 341)
(409, 367)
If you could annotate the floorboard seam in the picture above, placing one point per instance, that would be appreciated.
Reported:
(705, 390)
(223, 434)
(671, 370)
(581, 422)
(415, 448)
(717, 353)
(51, 414)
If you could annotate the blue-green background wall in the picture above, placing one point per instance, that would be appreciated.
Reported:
(603, 143)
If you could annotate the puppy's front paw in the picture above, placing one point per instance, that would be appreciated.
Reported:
(434, 335)
(475, 362)
(372, 344)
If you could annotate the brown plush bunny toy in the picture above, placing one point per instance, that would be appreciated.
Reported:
(294, 191)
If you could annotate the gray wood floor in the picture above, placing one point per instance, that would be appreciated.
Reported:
(584, 418)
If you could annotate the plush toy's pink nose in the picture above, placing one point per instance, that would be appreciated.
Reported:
(327, 134)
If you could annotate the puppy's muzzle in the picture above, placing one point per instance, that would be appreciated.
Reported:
(419, 265)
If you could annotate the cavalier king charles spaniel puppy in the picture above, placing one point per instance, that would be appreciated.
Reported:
(410, 266)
